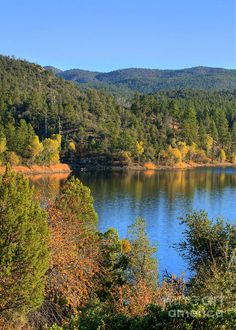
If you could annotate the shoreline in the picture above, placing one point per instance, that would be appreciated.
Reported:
(39, 169)
(150, 167)
(65, 168)
(189, 166)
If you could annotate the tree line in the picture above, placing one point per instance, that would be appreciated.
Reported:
(58, 272)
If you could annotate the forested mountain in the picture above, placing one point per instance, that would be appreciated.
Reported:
(168, 126)
(126, 82)
(52, 69)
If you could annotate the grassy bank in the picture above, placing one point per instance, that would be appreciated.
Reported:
(38, 169)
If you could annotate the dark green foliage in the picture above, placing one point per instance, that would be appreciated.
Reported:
(222, 128)
(190, 126)
(19, 137)
(142, 262)
(23, 246)
(76, 203)
(181, 316)
(52, 106)
(205, 240)
(114, 262)
(159, 120)
(210, 249)
(185, 316)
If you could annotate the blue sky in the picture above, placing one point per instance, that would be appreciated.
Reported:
(106, 35)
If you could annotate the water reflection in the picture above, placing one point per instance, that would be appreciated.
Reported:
(47, 186)
(159, 197)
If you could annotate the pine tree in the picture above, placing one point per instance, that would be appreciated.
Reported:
(234, 137)
(23, 246)
(223, 128)
(24, 134)
(213, 130)
(190, 126)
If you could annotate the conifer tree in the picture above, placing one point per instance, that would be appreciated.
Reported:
(23, 246)
(190, 126)
(223, 128)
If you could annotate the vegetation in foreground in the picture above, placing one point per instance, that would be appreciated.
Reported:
(57, 272)
(42, 116)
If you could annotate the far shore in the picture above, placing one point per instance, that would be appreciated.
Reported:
(183, 165)
(148, 166)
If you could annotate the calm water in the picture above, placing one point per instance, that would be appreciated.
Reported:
(158, 197)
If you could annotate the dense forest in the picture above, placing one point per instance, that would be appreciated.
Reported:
(57, 272)
(50, 115)
(128, 81)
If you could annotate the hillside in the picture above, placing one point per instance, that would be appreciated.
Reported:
(52, 69)
(128, 81)
(95, 123)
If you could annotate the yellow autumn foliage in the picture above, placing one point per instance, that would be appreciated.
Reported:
(35, 148)
(184, 149)
(222, 155)
(175, 154)
(3, 145)
(72, 146)
(51, 150)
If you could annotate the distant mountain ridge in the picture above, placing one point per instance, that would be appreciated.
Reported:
(128, 81)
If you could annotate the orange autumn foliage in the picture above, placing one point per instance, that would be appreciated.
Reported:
(74, 260)
(141, 295)
(138, 297)
(150, 166)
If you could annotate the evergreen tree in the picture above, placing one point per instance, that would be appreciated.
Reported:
(223, 129)
(190, 126)
(113, 261)
(24, 134)
(234, 137)
(213, 130)
(23, 246)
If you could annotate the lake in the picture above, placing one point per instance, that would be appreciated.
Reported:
(160, 197)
